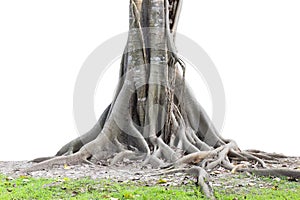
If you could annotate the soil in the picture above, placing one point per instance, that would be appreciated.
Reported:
(129, 171)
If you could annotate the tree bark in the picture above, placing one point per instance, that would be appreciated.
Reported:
(154, 116)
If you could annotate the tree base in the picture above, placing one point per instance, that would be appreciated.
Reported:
(154, 116)
(198, 164)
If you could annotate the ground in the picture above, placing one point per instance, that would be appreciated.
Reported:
(132, 172)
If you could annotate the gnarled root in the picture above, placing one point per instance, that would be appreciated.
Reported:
(181, 153)
(203, 178)
(280, 172)
(76, 144)
(154, 116)
(73, 159)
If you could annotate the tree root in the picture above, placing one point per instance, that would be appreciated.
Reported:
(196, 164)
(252, 157)
(195, 158)
(77, 158)
(41, 159)
(262, 153)
(219, 157)
(135, 125)
(203, 178)
(111, 143)
(280, 172)
(76, 144)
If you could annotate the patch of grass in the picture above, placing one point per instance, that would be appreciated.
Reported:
(64, 188)
(271, 189)
(38, 188)
(262, 194)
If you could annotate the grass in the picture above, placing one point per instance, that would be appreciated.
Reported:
(282, 189)
(64, 188)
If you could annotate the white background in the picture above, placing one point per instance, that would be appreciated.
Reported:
(43, 44)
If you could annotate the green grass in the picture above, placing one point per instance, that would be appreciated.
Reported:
(64, 188)
(277, 190)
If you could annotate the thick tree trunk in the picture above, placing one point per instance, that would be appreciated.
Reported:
(154, 116)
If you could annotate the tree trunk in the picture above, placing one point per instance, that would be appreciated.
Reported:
(154, 116)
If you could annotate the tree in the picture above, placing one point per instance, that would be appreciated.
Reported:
(153, 116)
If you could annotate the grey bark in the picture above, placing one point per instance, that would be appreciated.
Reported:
(154, 115)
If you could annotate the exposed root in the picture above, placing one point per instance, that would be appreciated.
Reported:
(238, 167)
(165, 151)
(235, 155)
(262, 153)
(110, 143)
(203, 178)
(41, 159)
(195, 158)
(73, 159)
(128, 155)
(221, 156)
(280, 172)
(76, 144)
(154, 161)
(154, 117)
(252, 157)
